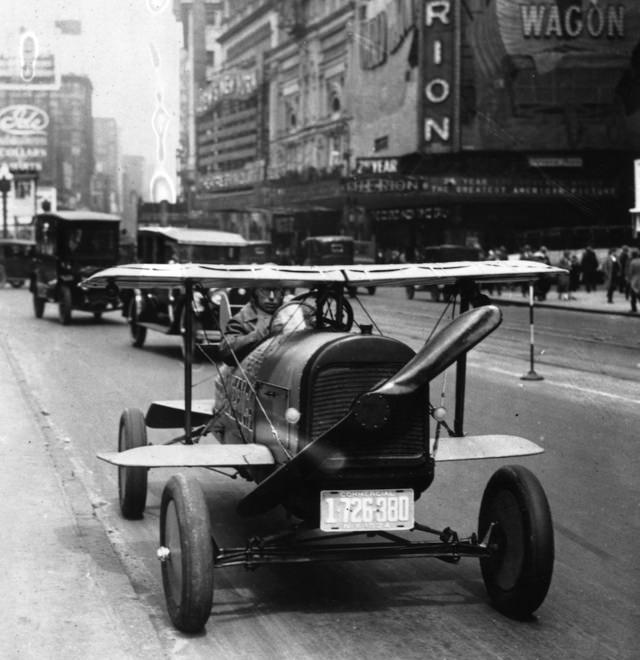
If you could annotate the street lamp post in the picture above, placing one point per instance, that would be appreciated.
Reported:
(5, 186)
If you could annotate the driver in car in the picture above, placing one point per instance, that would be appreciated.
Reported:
(251, 325)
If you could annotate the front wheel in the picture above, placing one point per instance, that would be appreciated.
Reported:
(64, 305)
(517, 574)
(132, 481)
(187, 553)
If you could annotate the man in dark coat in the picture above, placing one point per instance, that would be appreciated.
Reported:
(589, 266)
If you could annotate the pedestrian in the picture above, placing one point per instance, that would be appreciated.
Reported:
(563, 280)
(589, 266)
(574, 276)
(611, 269)
(633, 277)
(623, 282)
(250, 326)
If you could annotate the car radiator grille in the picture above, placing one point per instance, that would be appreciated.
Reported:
(335, 389)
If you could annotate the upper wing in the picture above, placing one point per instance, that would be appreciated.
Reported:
(217, 276)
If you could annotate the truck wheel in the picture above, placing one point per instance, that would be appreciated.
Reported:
(517, 574)
(132, 481)
(64, 305)
(187, 553)
(38, 306)
(138, 332)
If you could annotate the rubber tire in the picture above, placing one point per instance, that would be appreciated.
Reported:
(518, 574)
(132, 481)
(38, 306)
(64, 305)
(435, 294)
(187, 575)
(138, 332)
(97, 316)
(411, 292)
(16, 284)
(371, 290)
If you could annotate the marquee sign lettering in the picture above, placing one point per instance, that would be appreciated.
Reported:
(439, 26)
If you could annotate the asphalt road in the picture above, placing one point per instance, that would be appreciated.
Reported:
(585, 413)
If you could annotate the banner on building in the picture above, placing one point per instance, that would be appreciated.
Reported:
(233, 83)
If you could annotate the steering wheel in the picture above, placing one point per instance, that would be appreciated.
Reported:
(328, 305)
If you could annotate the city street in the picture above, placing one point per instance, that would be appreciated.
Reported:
(585, 412)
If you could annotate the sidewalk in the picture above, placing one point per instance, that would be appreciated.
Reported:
(65, 594)
(595, 301)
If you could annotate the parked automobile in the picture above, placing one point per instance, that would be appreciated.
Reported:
(331, 250)
(163, 309)
(16, 257)
(256, 252)
(69, 247)
(439, 254)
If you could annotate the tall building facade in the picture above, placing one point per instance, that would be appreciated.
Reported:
(105, 184)
(416, 122)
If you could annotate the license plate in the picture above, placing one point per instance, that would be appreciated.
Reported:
(366, 510)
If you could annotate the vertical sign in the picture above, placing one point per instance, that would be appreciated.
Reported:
(635, 211)
(439, 80)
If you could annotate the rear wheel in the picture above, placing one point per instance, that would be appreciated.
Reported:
(517, 575)
(138, 332)
(64, 305)
(132, 481)
(187, 553)
(38, 306)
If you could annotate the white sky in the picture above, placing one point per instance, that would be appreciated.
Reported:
(114, 50)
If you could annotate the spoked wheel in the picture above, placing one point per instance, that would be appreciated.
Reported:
(132, 481)
(138, 332)
(38, 306)
(64, 305)
(187, 553)
(518, 572)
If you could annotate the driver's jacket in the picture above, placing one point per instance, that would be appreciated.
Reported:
(244, 331)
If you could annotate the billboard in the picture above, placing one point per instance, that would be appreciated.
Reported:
(381, 87)
(546, 74)
(24, 136)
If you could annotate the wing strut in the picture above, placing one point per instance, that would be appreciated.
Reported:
(188, 358)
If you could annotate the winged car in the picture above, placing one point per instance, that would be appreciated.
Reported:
(336, 424)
